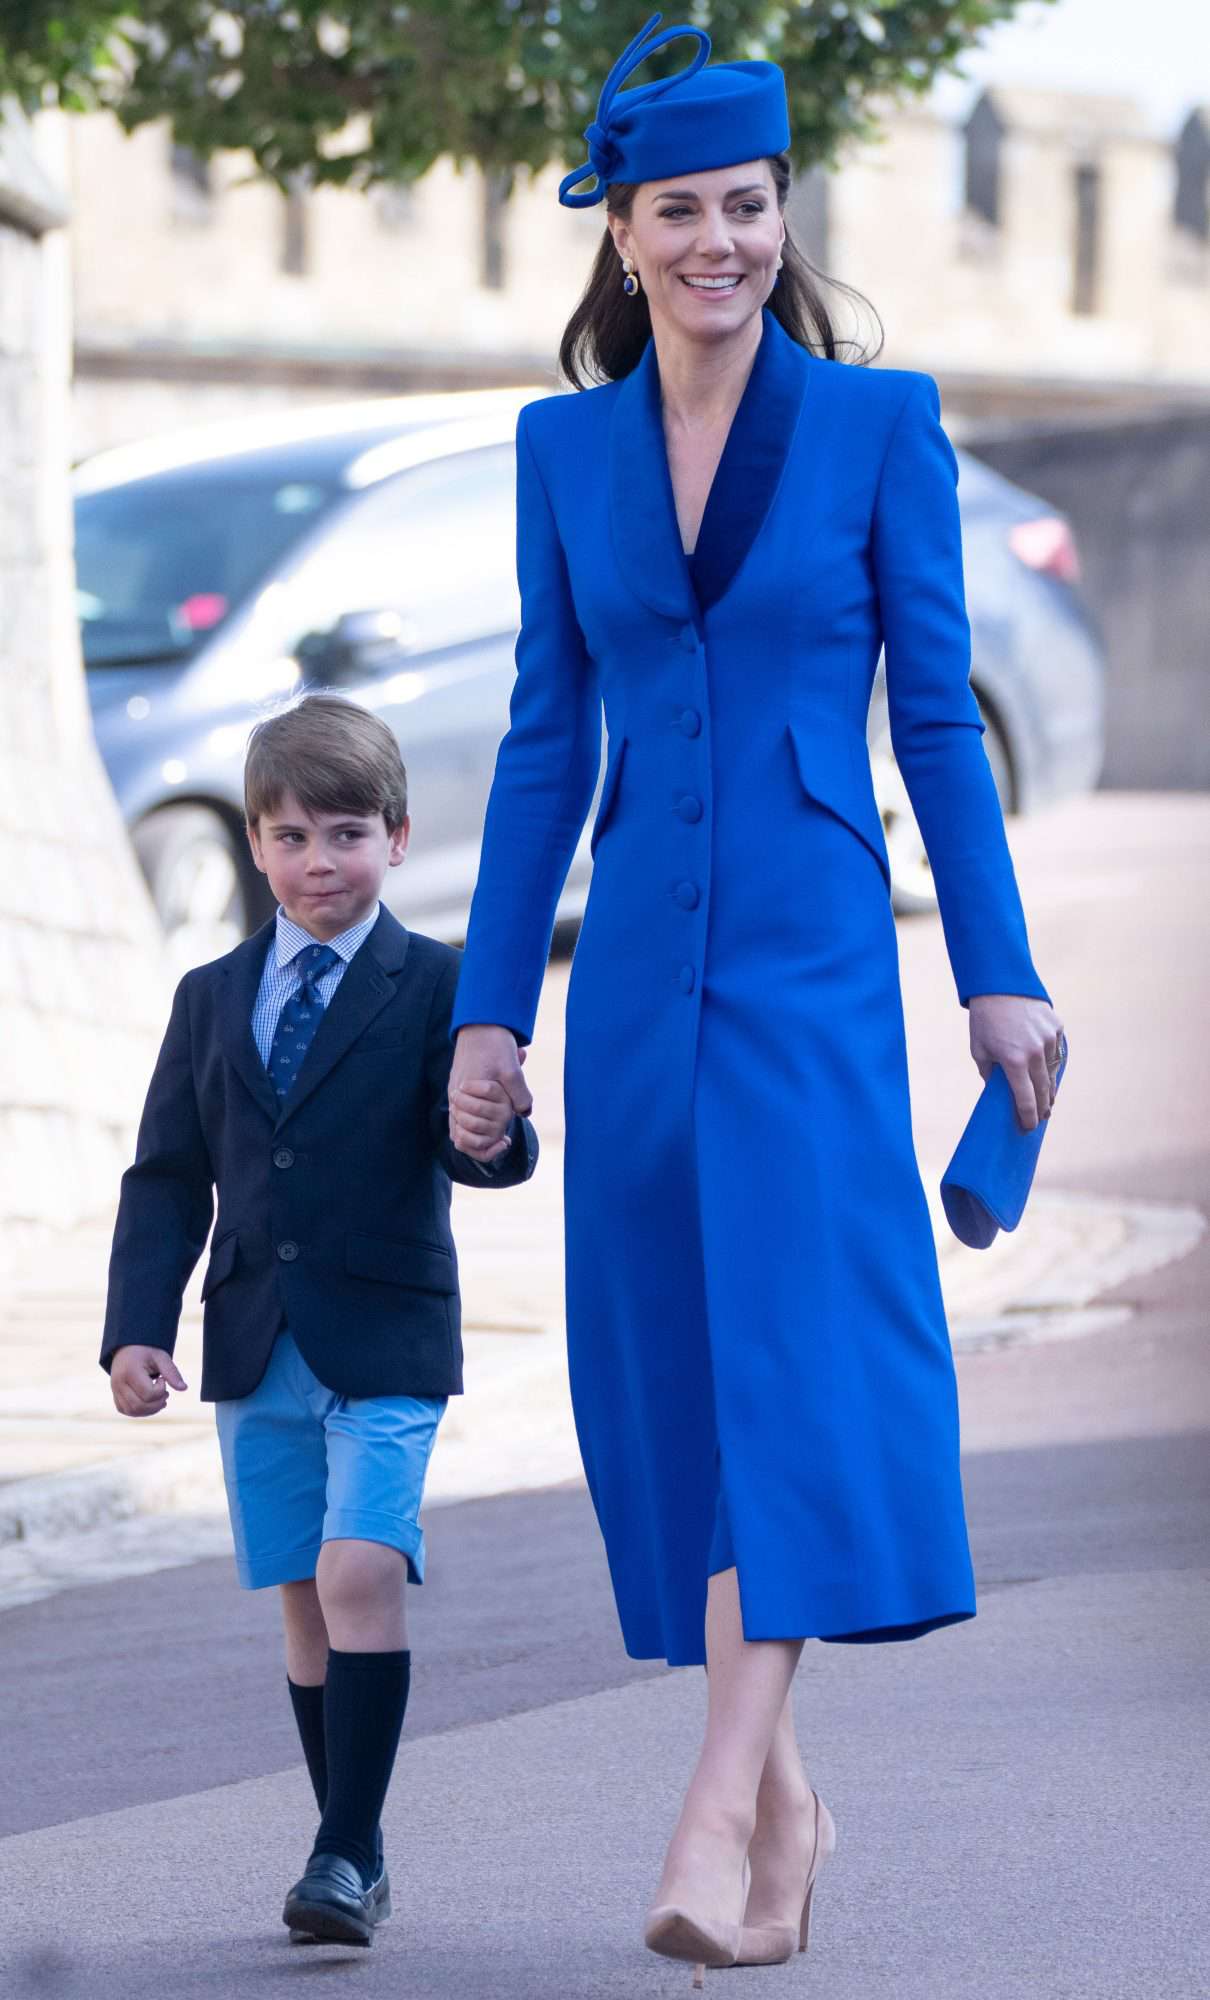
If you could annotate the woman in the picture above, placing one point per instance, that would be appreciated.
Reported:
(717, 541)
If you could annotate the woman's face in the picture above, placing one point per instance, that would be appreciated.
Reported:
(705, 247)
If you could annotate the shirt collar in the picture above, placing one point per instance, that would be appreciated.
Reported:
(292, 938)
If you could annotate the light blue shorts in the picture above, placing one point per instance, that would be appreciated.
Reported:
(304, 1466)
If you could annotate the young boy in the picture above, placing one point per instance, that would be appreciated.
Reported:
(305, 1074)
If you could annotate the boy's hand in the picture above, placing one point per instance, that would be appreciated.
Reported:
(485, 1055)
(140, 1378)
(481, 1115)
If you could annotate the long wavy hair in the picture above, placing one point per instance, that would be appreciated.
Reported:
(606, 334)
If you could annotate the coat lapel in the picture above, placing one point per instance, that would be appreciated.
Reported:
(646, 538)
(244, 970)
(643, 521)
(363, 992)
(753, 461)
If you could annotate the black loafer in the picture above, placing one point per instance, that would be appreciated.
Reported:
(331, 1904)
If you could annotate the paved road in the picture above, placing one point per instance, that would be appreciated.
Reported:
(1021, 1801)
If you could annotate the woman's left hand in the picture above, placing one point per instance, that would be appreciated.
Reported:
(1025, 1036)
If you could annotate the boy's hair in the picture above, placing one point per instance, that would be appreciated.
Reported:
(334, 756)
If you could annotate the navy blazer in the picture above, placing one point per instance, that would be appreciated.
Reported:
(334, 1208)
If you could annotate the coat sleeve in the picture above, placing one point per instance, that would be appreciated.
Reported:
(510, 1168)
(546, 773)
(166, 1204)
(936, 729)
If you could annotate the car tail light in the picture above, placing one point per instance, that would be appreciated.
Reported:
(202, 611)
(1047, 544)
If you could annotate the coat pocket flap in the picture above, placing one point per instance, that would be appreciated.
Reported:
(423, 1267)
(609, 790)
(834, 771)
(222, 1262)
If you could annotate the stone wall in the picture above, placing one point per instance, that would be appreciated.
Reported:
(82, 981)
(203, 303)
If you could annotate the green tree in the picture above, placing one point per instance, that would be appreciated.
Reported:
(356, 91)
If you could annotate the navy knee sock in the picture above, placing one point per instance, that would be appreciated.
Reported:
(365, 1699)
(308, 1705)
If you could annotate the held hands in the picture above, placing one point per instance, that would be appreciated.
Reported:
(1025, 1036)
(486, 1090)
(140, 1378)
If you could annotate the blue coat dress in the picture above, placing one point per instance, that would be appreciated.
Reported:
(760, 1365)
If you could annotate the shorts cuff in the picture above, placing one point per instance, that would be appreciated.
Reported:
(288, 1566)
(361, 1525)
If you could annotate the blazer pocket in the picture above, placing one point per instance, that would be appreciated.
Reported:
(422, 1267)
(828, 758)
(609, 792)
(222, 1262)
(389, 1038)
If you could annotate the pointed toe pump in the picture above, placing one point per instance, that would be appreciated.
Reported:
(773, 1944)
(697, 1937)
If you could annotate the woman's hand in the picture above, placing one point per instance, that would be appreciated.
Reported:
(486, 1067)
(1025, 1036)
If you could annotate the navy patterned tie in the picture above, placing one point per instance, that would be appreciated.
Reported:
(299, 1018)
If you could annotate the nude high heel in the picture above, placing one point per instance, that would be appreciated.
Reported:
(695, 1937)
(773, 1944)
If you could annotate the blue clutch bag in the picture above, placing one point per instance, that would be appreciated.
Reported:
(985, 1187)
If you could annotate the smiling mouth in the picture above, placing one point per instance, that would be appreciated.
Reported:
(722, 285)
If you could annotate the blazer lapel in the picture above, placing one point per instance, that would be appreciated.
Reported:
(753, 461)
(646, 538)
(245, 969)
(363, 992)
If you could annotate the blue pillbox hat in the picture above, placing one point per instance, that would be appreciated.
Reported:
(688, 123)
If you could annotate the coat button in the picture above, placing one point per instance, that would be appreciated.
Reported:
(688, 808)
(283, 1157)
(689, 638)
(687, 895)
(689, 722)
(687, 978)
(287, 1251)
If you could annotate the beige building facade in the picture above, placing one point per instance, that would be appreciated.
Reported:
(1048, 255)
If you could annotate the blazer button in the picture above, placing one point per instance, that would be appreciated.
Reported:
(688, 979)
(689, 638)
(687, 895)
(283, 1157)
(689, 722)
(688, 808)
(287, 1251)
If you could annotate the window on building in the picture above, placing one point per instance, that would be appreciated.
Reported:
(1191, 209)
(984, 134)
(394, 205)
(192, 185)
(807, 212)
(1087, 238)
(497, 189)
(294, 232)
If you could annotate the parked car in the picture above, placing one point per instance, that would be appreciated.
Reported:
(370, 548)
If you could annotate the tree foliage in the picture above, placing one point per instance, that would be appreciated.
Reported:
(356, 91)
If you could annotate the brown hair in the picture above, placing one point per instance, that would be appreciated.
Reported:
(334, 756)
(606, 334)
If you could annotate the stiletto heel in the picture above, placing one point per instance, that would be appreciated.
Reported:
(804, 1928)
(773, 1944)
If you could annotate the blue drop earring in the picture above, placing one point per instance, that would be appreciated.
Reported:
(630, 283)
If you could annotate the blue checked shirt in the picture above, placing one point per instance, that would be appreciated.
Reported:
(280, 979)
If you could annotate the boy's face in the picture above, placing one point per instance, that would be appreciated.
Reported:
(326, 869)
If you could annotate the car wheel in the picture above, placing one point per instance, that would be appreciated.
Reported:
(200, 882)
(912, 886)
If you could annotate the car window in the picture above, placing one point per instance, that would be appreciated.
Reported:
(436, 543)
(162, 562)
